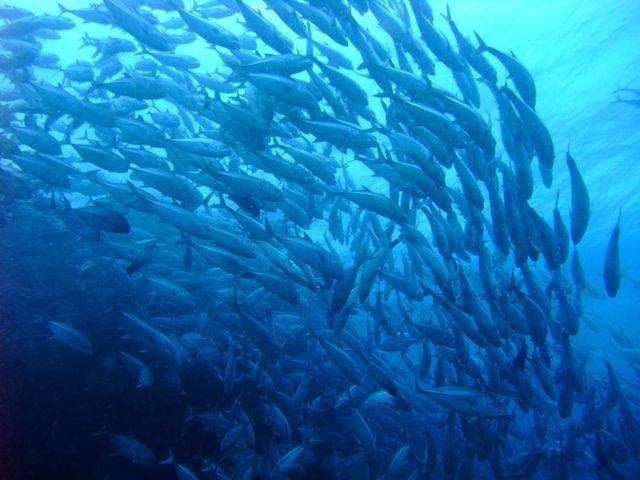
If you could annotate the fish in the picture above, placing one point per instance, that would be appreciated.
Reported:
(284, 65)
(435, 40)
(133, 86)
(133, 450)
(580, 202)
(540, 136)
(294, 92)
(101, 216)
(310, 253)
(90, 15)
(13, 187)
(137, 26)
(548, 241)
(173, 186)
(535, 315)
(577, 271)
(150, 338)
(269, 34)
(499, 217)
(561, 232)
(281, 286)
(247, 185)
(102, 158)
(222, 258)
(341, 133)
(433, 120)
(72, 337)
(344, 84)
(257, 332)
(47, 168)
(471, 122)
(33, 23)
(468, 401)
(140, 132)
(518, 73)
(613, 391)
(289, 461)
(141, 372)
(611, 272)
(209, 31)
(376, 203)
(470, 53)
(38, 139)
(203, 147)
(340, 359)
(288, 15)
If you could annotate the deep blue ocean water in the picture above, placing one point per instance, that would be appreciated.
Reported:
(60, 408)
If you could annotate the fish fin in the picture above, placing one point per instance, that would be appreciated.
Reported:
(169, 460)
(418, 387)
(482, 45)
(102, 431)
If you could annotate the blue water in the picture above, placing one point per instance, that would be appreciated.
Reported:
(60, 408)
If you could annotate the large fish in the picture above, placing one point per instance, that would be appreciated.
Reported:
(72, 337)
(611, 272)
(540, 136)
(468, 401)
(133, 450)
(517, 72)
(341, 359)
(150, 338)
(580, 202)
(265, 30)
(562, 234)
(211, 32)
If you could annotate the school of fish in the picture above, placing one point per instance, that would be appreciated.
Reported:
(300, 250)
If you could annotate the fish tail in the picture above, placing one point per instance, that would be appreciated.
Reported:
(169, 460)
(447, 17)
(417, 385)
(222, 204)
(102, 431)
